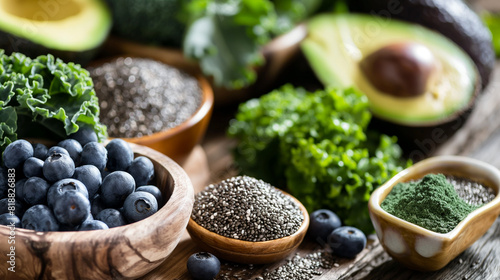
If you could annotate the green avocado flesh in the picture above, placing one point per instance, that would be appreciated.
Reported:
(66, 25)
(336, 44)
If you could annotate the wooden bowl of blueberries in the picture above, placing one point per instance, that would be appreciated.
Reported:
(87, 210)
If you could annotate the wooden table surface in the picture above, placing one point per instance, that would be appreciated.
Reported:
(479, 138)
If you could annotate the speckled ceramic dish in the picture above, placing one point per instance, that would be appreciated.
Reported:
(421, 249)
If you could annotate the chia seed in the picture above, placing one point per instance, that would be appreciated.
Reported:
(140, 96)
(247, 209)
(302, 268)
(472, 192)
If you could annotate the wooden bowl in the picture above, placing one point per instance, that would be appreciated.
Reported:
(421, 249)
(124, 252)
(179, 141)
(241, 251)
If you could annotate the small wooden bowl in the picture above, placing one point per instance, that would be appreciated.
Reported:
(421, 249)
(179, 141)
(124, 252)
(240, 251)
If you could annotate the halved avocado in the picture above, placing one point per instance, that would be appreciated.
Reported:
(72, 30)
(440, 81)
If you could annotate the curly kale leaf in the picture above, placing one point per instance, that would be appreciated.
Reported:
(45, 97)
(318, 146)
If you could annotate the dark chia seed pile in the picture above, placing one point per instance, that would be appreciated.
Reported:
(301, 268)
(139, 96)
(472, 192)
(248, 209)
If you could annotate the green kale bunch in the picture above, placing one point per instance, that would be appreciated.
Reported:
(317, 146)
(45, 98)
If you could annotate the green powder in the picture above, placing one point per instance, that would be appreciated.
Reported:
(431, 203)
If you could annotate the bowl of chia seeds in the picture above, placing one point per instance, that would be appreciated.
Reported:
(148, 102)
(246, 220)
(429, 213)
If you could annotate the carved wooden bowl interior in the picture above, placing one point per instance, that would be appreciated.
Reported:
(124, 252)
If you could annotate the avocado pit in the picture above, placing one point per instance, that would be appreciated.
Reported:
(402, 69)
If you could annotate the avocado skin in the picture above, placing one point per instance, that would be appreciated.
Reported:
(11, 43)
(452, 18)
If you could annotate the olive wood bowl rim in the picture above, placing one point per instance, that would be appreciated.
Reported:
(380, 193)
(183, 190)
(265, 246)
(203, 111)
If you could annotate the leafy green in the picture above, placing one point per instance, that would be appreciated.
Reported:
(225, 36)
(316, 145)
(493, 23)
(44, 97)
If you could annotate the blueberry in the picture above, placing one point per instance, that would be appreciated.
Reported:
(203, 266)
(40, 218)
(7, 219)
(73, 147)
(322, 223)
(154, 191)
(19, 188)
(33, 167)
(71, 208)
(56, 149)
(97, 205)
(111, 217)
(58, 166)
(116, 187)
(16, 153)
(35, 191)
(120, 155)
(58, 188)
(18, 205)
(85, 134)
(347, 242)
(90, 176)
(4, 181)
(139, 205)
(93, 225)
(94, 154)
(40, 151)
(142, 169)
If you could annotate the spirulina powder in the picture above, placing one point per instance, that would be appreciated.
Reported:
(431, 203)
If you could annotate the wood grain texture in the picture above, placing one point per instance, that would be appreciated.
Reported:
(124, 252)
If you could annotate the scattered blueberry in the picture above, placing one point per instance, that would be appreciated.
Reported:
(84, 135)
(58, 188)
(142, 169)
(155, 191)
(322, 223)
(203, 266)
(111, 217)
(139, 205)
(57, 149)
(71, 208)
(73, 147)
(39, 218)
(120, 155)
(7, 219)
(35, 191)
(16, 153)
(33, 167)
(116, 187)
(40, 151)
(95, 154)
(58, 166)
(93, 225)
(90, 176)
(347, 242)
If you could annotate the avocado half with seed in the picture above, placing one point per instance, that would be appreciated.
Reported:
(417, 81)
(72, 30)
